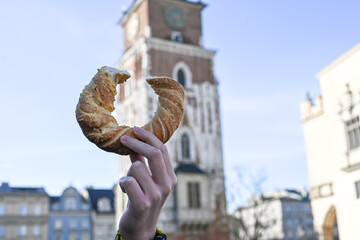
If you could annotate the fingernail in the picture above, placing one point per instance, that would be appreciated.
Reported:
(124, 138)
(122, 180)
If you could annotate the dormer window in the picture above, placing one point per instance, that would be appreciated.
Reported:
(104, 205)
(70, 203)
(176, 36)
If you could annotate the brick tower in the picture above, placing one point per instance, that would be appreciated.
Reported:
(164, 38)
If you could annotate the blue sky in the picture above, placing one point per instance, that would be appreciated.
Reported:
(268, 55)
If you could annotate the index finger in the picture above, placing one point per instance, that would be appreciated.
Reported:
(154, 155)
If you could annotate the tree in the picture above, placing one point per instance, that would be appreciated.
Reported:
(251, 219)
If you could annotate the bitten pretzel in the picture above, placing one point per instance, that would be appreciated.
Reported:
(96, 102)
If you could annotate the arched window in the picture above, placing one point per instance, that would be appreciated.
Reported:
(182, 74)
(185, 146)
(181, 77)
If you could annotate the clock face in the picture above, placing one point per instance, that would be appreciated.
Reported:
(175, 17)
(132, 26)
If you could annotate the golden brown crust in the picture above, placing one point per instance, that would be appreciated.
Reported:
(96, 102)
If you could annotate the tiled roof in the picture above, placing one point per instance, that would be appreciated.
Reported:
(96, 194)
(188, 168)
(5, 188)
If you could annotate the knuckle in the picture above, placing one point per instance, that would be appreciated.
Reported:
(156, 153)
(167, 189)
(156, 196)
(144, 206)
(163, 148)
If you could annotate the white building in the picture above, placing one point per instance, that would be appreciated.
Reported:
(332, 134)
(164, 38)
(284, 215)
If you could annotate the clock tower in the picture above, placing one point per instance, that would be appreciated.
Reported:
(164, 38)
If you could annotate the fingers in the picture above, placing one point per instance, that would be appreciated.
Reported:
(154, 155)
(130, 186)
(140, 172)
(137, 157)
(150, 139)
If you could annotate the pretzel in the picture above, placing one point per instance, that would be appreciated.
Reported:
(96, 102)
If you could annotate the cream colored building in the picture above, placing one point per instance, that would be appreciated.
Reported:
(164, 38)
(24, 213)
(332, 133)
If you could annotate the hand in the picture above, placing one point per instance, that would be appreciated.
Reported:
(147, 188)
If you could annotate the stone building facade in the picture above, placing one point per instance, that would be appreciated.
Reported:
(164, 38)
(24, 213)
(281, 215)
(332, 133)
(102, 213)
(70, 216)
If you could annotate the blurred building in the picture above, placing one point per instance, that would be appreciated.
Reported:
(70, 216)
(284, 215)
(164, 38)
(104, 226)
(24, 213)
(332, 133)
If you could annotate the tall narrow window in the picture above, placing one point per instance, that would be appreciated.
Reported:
(181, 77)
(194, 194)
(23, 210)
(37, 230)
(22, 230)
(353, 133)
(185, 146)
(357, 188)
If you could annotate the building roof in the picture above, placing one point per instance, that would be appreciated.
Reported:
(5, 188)
(96, 194)
(188, 168)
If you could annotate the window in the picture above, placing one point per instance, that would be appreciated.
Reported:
(22, 230)
(182, 73)
(58, 224)
(181, 77)
(185, 146)
(70, 203)
(85, 223)
(58, 236)
(23, 210)
(194, 194)
(37, 230)
(353, 133)
(72, 235)
(2, 231)
(72, 224)
(357, 188)
(85, 235)
(2, 210)
(37, 210)
(104, 205)
(176, 36)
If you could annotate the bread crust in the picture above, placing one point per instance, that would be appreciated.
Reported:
(96, 102)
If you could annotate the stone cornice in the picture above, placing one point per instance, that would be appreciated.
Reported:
(126, 15)
(167, 46)
(339, 60)
(179, 48)
(198, 4)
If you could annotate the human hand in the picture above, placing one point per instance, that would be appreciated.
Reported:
(147, 190)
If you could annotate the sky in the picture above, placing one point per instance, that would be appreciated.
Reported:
(268, 55)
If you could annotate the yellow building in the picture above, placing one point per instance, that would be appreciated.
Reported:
(332, 134)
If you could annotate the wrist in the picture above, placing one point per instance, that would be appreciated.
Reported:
(158, 235)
